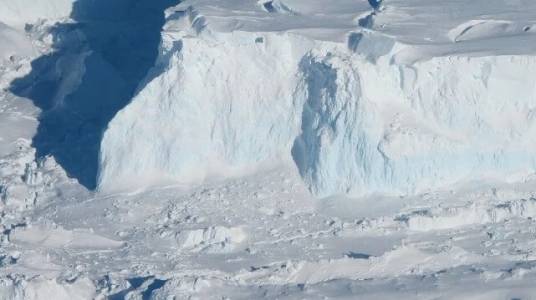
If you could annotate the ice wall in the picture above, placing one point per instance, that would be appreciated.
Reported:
(352, 119)
(406, 129)
(217, 106)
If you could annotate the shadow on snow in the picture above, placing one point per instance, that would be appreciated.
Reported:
(97, 65)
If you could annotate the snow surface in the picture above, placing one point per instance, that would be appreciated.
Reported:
(283, 149)
(13, 43)
(18, 13)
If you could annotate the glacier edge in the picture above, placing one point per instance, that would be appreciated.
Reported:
(224, 104)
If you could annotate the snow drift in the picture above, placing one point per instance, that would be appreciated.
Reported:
(353, 118)
(41, 288)
(17, 13)
(13, 44)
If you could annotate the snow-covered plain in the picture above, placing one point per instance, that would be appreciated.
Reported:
(285, 149)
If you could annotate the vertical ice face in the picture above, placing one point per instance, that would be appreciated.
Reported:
(352, 117)
(227, 103)
(333, 151)
(374, 127)
(219, 106)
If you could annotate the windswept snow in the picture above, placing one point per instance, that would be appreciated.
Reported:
(14, 43)
(60, 238)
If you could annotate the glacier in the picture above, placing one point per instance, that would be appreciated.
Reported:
(358, 113)
(267, 149)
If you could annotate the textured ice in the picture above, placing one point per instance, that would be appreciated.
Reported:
(211, 239)
(405, 129)
(373, 114)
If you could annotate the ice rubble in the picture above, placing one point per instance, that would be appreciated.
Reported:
(358, 117)
(212, 239)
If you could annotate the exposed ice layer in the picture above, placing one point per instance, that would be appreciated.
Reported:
(404, 129)
(353, 118)
(199, 118)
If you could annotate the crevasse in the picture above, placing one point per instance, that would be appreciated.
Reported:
(354, 121)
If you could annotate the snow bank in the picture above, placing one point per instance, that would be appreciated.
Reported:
(397, 262)
(42, 288)
(211, 239)
(473, 213)
(62, 238)
(17, 13)
(353, 120)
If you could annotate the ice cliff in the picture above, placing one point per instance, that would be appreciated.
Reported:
(357, 110)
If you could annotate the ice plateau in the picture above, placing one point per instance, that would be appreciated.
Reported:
(359, 110)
